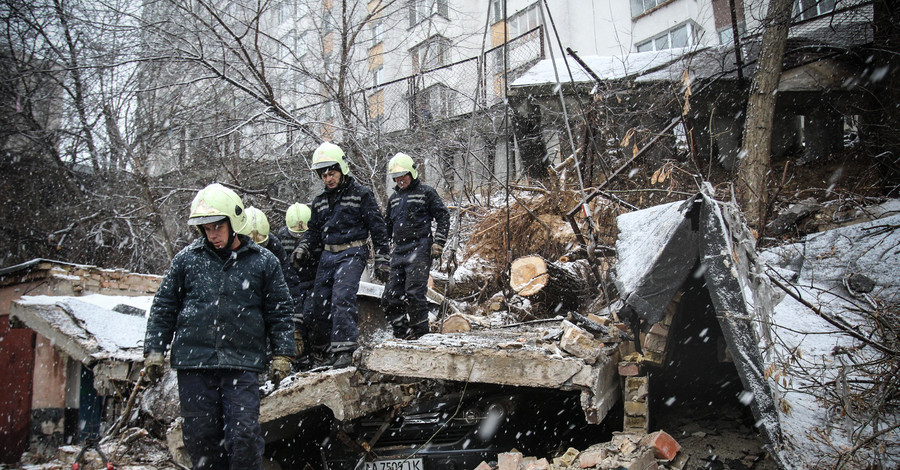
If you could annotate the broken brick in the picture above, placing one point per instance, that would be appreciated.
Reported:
(659, 329)
(636, 408)
(580, 343)
(636, 423)
(509, 460)
(655, 343)
(635, 388)
(629, 369)
(664, 446)
(645, 462)
(567, 459)
(589, 458)
(541, 464)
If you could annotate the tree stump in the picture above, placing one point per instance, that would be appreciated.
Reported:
(552, 288)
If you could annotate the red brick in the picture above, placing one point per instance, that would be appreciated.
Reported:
(629, 369)
(664, 446)
(509, 460)
(659, 329)
(589, 458)
(541, 464)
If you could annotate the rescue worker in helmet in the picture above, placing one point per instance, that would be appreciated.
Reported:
(220, 304)
(343, 217)
(409, 214)
(299, 279)
(258, 230)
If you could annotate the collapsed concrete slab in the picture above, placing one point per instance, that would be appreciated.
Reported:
(346, 392)
(516, 358)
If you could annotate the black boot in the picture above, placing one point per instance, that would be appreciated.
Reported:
(342, 359)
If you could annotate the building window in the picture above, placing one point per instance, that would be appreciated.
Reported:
(726, 34)
(419, 10)
(497, 8)
(376, 26)
(432, 103)
(806, 9)
(524, 21)
(640, 6)
(431, 53)
(683, 35)
(378, 75)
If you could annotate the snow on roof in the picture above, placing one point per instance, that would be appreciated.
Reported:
(91, 322)
(815, 269)
(605, 67)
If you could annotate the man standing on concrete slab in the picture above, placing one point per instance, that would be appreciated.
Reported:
(222, 301)
(409, 215)
(344, 216)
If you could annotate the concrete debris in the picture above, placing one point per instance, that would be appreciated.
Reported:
(632, 451)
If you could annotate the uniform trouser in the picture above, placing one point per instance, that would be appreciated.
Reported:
(404, 300)
(221, 428)
(299, 294)
(332, 306)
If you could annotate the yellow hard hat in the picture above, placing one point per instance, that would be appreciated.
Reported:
(215, 203)
(402, 164)
(328, 155)
(257, 225)
(296, 217)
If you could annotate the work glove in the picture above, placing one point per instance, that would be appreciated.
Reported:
(382, 272)
(299, 257)
(280, 368)
(154, 364)
(436, 251)
(298, 343)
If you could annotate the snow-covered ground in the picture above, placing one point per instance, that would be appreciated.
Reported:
(819, 367)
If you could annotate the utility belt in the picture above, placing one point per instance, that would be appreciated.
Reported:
(344, 246)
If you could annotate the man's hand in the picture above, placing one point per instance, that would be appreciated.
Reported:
(436, 251)
(382, 272)
(154, 364)
(281, 368)
(299, 257)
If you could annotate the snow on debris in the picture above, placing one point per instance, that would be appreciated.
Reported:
(91, 318)
(605, 67)
(642, 236)
(816, 269)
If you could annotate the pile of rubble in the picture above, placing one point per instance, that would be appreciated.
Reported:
(631, 451)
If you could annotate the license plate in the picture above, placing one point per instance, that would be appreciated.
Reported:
(402, 464)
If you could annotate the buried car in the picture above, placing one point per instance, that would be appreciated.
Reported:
(462, 428)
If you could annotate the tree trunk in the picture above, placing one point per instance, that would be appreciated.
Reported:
(881, 125)
(461, 323)
(550, 286)
(753, 168)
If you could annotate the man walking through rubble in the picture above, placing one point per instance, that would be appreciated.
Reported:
(343, 217)
(409, 214)
(220, 303)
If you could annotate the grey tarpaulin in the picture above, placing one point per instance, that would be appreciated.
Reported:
(658, 248)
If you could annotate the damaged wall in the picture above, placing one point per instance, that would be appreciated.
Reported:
(42, 412)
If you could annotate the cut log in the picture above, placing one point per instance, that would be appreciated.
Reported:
(548, 283)
(461, 323)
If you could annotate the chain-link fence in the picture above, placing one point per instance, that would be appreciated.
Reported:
(452, 90)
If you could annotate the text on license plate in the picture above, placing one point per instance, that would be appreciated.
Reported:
(407, 464)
